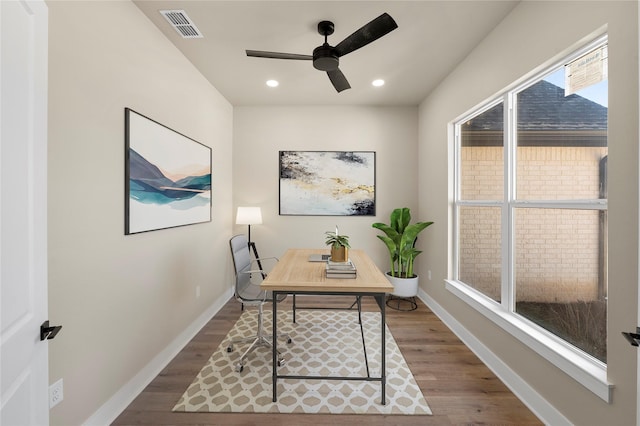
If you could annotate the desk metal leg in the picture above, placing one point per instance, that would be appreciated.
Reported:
(274, 379)
(383, 372)
(294, 308)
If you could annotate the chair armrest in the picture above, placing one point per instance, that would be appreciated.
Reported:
(259, 260)
(266, 258)
(253, 271)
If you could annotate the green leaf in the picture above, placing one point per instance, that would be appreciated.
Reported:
(391, 232)
(391, 246)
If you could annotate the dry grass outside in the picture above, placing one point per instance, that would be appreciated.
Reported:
(583, 324)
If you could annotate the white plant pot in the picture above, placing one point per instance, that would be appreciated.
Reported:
(404, 287)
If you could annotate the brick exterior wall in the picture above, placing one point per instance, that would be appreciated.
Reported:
(558, 253)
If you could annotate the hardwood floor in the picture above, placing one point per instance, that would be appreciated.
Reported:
(457, 386)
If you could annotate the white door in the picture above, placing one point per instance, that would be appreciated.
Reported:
(23, 212)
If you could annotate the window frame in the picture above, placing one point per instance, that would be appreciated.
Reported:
(582, 367)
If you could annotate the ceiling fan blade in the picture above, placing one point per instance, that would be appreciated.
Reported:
(277, 55)
(338, 80)
(372, 31)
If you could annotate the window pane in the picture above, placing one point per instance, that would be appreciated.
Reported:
(560, 272)
(562, 141)
(481, 156)
(479, 248)
(561, 173)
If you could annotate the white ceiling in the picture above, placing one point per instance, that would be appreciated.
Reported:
(431, 39)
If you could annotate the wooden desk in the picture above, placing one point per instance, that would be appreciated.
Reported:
(294, 274)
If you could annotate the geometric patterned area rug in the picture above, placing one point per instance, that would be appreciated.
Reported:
(324, 342)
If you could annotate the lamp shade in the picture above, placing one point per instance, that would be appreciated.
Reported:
(249, 216)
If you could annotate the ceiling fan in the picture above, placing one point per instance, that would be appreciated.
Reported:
(327, 58)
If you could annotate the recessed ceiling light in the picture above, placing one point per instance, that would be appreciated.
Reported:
(378, 82)
(272, 83)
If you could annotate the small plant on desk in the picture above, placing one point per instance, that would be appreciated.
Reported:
(339, 246)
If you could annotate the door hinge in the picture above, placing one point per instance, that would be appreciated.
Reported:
(633, 338)
(47, 332)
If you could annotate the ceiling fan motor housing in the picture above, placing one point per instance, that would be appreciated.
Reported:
(325, 58)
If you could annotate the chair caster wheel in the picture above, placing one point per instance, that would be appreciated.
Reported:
(239, 368)
(230, 348)
(289, 340)
(280, 362)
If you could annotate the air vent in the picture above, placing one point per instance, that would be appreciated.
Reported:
(181, 22)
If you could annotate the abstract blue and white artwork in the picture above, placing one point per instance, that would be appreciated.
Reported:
(328, 183)
(168, 177)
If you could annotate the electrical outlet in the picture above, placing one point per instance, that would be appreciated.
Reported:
(197, 291)
(429, 274)
(56, 394)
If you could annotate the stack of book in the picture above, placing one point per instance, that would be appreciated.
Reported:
(341, 269)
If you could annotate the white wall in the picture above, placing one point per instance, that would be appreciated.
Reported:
(260, 132)
(122, 300)
(534, 33)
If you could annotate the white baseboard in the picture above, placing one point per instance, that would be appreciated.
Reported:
(111, 409)
(546, 412)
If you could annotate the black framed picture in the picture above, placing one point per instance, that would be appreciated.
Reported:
(167, 177)
(328, 183)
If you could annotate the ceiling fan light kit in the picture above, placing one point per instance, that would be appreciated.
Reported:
(327, 58)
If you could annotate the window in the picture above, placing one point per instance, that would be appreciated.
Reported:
(530, 204)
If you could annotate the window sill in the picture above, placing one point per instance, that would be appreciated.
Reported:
(589, 372)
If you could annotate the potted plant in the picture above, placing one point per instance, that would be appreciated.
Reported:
(339, 246)
(400, 238)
